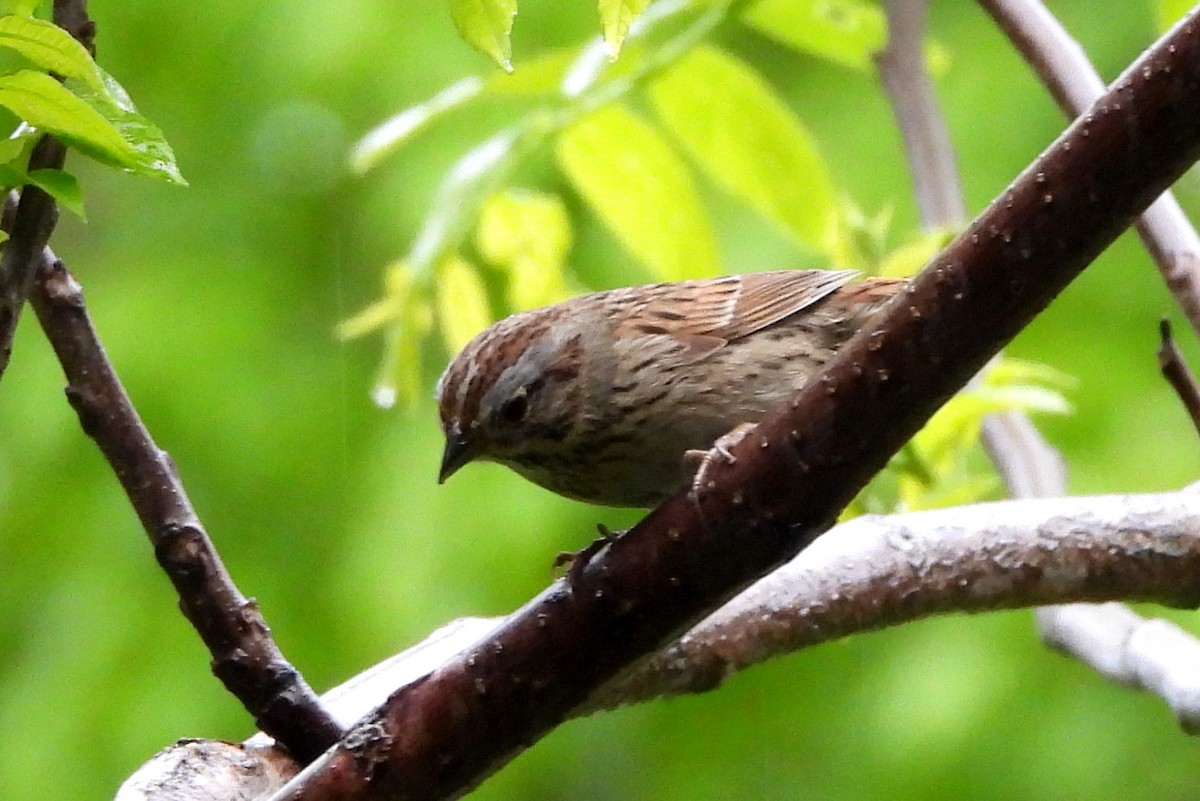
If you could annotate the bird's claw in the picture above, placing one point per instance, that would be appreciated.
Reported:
(578, 560)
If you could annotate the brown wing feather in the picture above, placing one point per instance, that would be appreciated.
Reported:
(717, 310)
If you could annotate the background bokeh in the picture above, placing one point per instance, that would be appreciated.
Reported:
(217, 304)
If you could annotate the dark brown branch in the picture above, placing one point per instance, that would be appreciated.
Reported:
(36, 213)
(1063, 67)
(72, 17)
(35, 218)
(1178, 374)
(785, 485)
(245, 658)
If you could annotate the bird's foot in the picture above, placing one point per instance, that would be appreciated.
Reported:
(718, 453)
(578, 560)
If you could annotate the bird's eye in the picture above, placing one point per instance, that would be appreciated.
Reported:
(514, 409)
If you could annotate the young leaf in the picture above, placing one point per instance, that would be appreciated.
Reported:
(642, 190)
(408, 317)
(45, 104)
(90, 123)
(50, 47)
(615, 18)
(487, 26)
(527, 234)
(745, 136)
(149, 153)
(462, 304)
(62, 186)
(397, 286)
(847, 32)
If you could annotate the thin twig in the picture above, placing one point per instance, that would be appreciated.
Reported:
(245, 657)
(1028, 465)
(1177, 372)
(923, 130)
(1063, 67)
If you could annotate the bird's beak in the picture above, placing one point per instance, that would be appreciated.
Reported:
(458, 452)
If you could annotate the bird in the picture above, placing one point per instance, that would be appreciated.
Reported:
(608, 397)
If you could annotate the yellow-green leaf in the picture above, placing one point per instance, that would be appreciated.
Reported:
(398, 281)
(50, 47)
(45, 104)
(615, 18)
(847, 32)
(147, 151)
(487, 26)
(527, 234)
(745, 136)
(408, 319)
(642, 190)
(62, 186)
(907, 259)
(521, 224)
(462, 305)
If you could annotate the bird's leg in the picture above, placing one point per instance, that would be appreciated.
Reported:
(719, 452)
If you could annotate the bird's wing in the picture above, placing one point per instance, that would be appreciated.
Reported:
(713, 311)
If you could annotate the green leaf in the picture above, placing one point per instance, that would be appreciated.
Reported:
(744, 136)
(910, 257)
(146, 150)
(62, 186)
(50, 47)
(847, 32)
(407, 313)
(90, 123)
(487, 26)
(45, 104)
(615, 18)
(11, 177)
(14, 146)
(462, 304)
(642, 190)
(398, 279)
(527, 234)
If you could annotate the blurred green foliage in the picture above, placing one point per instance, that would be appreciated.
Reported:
(218, 305)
